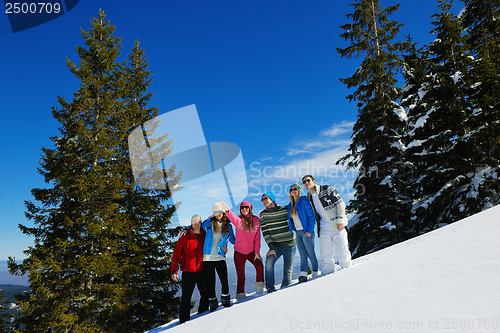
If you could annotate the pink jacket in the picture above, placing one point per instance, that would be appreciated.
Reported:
(246, 241)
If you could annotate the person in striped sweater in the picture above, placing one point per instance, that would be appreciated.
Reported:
(279, 238)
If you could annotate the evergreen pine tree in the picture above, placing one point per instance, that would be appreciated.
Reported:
(481, 21)
(416, 69)
(437, 124)
(376, 147)
(415, 72)
(102, 245)
(482, 139)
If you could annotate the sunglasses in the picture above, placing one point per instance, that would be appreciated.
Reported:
(244, 207)
(294, 189)
(306, 181)
(265, 198)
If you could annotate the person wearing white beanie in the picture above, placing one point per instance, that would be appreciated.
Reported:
(219, 232)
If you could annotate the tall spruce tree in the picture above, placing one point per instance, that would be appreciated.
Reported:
(102, 245)
(376, 147)
(415, 75)
(437, 124)
(480, 21)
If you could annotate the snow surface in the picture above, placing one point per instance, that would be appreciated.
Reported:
(446, 280)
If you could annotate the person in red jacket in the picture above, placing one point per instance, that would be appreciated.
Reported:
(189, 253)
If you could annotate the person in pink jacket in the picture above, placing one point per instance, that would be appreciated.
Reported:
(246, 247)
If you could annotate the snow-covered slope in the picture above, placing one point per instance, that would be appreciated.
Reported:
(445, 280)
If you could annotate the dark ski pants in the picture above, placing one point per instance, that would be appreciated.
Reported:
(189, 281)
(239, 262)
(210, 267)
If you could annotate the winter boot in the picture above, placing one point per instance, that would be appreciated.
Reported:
(241, 295)
(315, 274)
(225, 300)
(214, 304)
(260, 287)
(302, 277)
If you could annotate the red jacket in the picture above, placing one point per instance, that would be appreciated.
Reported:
(189, 252)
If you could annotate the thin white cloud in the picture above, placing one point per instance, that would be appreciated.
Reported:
(338, 129)
(318, 144)
(324, 140)
(293, 152)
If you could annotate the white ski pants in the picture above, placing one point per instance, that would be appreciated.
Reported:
(330, 242)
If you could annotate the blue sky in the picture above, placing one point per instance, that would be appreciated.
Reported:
(262, 74)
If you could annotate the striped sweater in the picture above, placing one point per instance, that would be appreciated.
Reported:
(275, 227)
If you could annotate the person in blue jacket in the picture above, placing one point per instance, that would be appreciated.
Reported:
(219, 232)
(302, 219)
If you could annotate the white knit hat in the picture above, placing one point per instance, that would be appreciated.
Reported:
(218, 208)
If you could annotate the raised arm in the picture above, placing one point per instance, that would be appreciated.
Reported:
(235, 219)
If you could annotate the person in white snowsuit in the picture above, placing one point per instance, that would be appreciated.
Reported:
(331, 220)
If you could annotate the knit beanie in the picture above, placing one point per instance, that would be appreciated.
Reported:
(246, 203)
(270, 195)
(297, 185)
(217, 208)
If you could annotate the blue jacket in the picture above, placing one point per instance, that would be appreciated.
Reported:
(207, 247)
(305, 213)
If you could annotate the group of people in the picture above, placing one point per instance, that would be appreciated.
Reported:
(202, 247)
